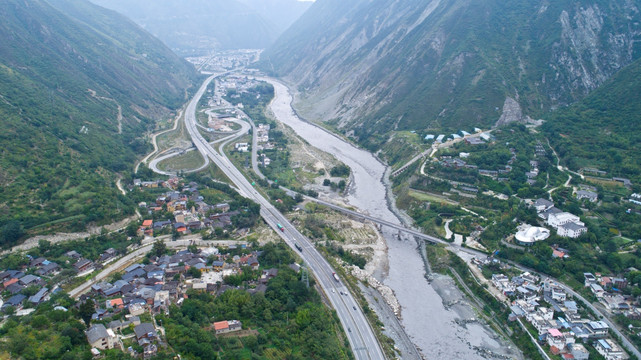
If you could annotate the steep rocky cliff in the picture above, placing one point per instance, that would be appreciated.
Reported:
(375, 66)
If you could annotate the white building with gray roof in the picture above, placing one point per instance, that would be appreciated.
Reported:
(100, 337)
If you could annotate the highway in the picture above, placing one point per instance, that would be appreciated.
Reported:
(359, 333)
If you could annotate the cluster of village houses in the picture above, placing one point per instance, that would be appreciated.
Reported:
(262, 143)
(559, 323)
(498, 175)
(225, 60)
(142, 289)
(37, 273)
(566, 224)
(152, 288)
(474, 140)
(200, 216)
(238, 83)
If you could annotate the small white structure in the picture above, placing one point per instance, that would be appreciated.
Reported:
(242, 147)
(528, 235)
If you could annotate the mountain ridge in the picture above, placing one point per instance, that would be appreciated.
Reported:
(62, 85)
(196, 27)
(444, 64)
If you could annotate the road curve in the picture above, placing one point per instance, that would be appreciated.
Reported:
(359, 333)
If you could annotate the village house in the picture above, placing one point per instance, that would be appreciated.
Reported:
(100, 337)
(558, 339)
(145, 331)
(587, 194)
(225, 326)
(597, 329)
(556, 220)
(49, 269)
(15, 301)
(579, 351)
(38, 297)
(503, 283)
(84, 266)
(608, 349)
(571, 230)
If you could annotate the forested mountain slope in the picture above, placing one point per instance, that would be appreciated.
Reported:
(65, 67)
(376, 66)
(603, 130)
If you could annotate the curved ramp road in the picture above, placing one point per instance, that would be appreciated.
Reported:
(360, 335)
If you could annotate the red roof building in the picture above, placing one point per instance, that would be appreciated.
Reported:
(10, 282)
(220, 326)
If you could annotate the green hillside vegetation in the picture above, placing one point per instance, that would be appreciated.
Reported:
(289, 322)
(61, 144)
(604, 130)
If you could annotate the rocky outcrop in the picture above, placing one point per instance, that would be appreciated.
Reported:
(511, 113)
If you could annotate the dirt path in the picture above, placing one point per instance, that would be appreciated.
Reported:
(32, 242)
(119, 186)
(448, 232)
(119, 116)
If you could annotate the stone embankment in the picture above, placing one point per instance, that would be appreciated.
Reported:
(386, 292)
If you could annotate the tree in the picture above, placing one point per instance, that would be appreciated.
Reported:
(85, 311)
(195, 273)
(132, 229)
(44, 246)
(193, 248)
(10, 233)
(340, 170)
(159, 248)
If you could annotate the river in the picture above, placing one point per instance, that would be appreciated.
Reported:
(436, 330)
